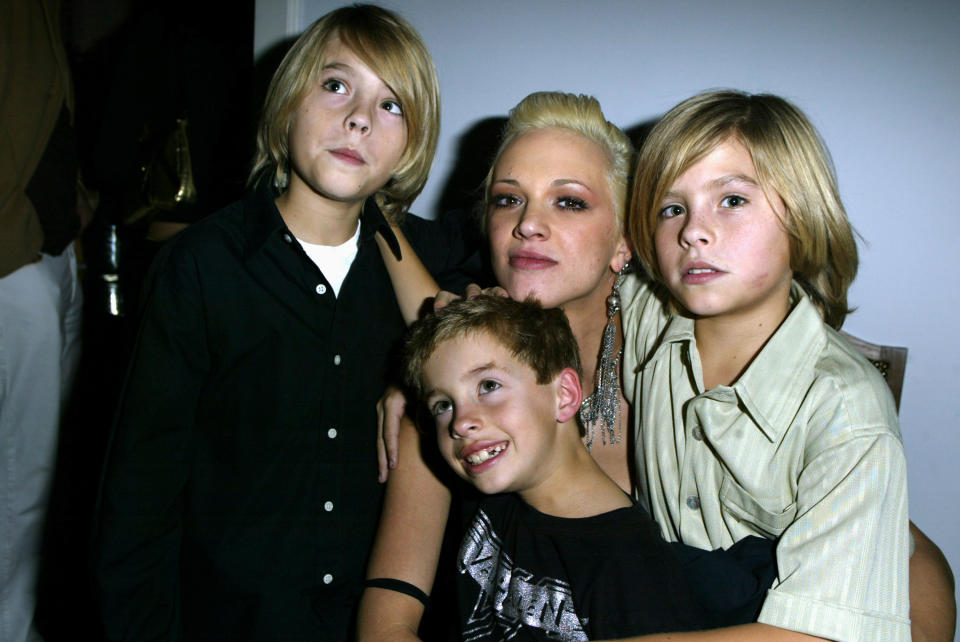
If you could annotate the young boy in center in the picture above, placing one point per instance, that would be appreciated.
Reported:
(556, 550)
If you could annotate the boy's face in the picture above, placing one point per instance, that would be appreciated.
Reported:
(721, 247)
(348, 133)
(496, 426)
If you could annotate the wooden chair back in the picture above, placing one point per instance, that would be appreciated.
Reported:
(891, 361)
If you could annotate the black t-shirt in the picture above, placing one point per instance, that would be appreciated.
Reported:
(524, 575)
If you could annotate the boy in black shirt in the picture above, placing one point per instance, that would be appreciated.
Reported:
(557, 551)
(239, 499)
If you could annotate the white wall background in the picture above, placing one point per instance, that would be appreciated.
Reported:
(881, 80)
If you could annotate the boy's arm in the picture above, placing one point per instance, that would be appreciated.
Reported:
(139, 517)
(933, 610)
(746, 633)
(842, 556)
(407, 545)
(842, 562)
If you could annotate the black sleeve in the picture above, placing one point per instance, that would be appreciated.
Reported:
(452, 248)
(137, 541)
(639, 588)
(730, 584)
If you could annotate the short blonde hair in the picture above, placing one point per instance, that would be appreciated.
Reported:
(790, 159)
(580, 115)
(394, 51)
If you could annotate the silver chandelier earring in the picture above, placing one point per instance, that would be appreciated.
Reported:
(599, 411)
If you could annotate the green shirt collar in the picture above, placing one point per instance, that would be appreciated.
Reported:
(774, 385)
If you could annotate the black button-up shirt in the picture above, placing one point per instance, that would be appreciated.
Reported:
(240, 495)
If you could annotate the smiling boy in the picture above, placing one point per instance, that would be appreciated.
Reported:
(557, 551)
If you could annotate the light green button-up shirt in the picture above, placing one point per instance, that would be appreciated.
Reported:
(804, 448)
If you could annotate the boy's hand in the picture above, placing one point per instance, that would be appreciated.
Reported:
(390, 409)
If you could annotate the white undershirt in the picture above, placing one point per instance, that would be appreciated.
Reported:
(333, 260)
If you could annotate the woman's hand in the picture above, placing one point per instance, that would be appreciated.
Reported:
(473, 290)
(390, 410)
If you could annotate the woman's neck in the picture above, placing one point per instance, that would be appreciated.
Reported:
(587, 320)
(588, 323)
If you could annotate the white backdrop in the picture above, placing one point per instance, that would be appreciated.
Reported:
(881, 80)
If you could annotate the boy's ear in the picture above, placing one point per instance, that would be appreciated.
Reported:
(569, 394)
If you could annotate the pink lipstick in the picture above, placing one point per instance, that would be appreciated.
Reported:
(525, 260)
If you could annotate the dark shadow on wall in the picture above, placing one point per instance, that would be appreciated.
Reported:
(463, 189)
(638, 133)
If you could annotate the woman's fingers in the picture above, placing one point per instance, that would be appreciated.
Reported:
(390, 409)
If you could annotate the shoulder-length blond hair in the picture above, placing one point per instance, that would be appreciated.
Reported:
(580, 115)
(394, 51)
(790, 160)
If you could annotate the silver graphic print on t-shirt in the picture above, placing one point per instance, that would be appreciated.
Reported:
(512, 597)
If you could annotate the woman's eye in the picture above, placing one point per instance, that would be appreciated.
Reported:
(392, 106)
(441, 407)
(570, 203)
(335, 86)
(734, 200)
(488, 385)
(504, 200)
(671, 210)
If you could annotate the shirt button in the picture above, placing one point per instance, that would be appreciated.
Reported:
(698, 433)
(332, 433)
(336, 359)
(328, 506)
(327, 578)
(693, 502)
(321, 288)
(287, 237)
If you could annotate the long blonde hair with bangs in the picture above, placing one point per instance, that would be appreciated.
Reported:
(393, 49)
(790, 160)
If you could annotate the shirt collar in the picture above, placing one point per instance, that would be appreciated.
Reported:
(262, 220)
(372, 221)
(773, 386)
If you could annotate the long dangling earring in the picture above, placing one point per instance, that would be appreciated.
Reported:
(604, 403)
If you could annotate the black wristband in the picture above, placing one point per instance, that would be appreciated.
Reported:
(400, 587)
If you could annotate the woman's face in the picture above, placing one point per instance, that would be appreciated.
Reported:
(553, 230)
